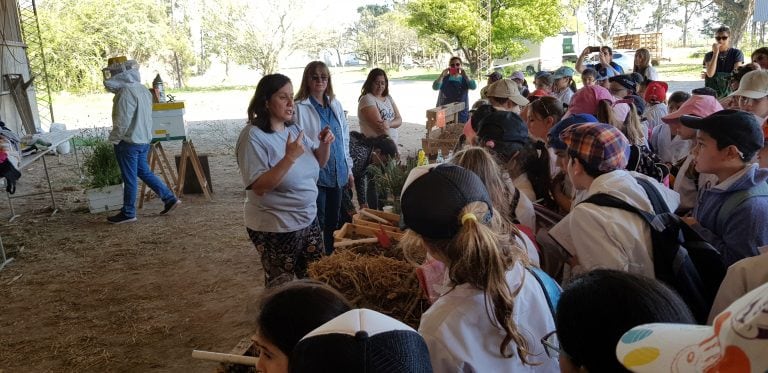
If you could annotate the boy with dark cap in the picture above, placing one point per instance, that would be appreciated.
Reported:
(604, 237)
(732, 214)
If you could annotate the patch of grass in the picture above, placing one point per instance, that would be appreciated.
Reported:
(419, 77)
(676, 69)
(216, 88)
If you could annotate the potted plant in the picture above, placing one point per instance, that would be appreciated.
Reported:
(390, 178)
(105, 189)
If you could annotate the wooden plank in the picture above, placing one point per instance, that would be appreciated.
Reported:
(394, 219)
(359, 220)
(349, 230)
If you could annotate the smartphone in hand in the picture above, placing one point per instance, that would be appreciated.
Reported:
(453, 70)
(594, 49)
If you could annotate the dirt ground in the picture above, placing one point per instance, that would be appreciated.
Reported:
(84, 296)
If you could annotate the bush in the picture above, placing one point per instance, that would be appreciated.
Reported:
(101, 165)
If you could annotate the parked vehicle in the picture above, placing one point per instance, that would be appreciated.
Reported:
(624, 57)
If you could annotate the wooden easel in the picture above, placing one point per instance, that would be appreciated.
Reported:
(158, 158)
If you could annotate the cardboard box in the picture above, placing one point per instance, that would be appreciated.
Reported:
(168, 121)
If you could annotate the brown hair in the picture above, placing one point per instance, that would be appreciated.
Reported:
(496, 180)
(645, 54)
(478, 255)
(548, 106)
(631, 126)
(306, 80)
(371, 79)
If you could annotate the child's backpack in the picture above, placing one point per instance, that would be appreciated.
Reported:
(681, 258)
(643, 160)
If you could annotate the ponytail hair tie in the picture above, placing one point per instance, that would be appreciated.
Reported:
(468, 216)
(490, 144)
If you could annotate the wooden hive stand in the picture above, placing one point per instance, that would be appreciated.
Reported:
(158, 159)
(441, 118)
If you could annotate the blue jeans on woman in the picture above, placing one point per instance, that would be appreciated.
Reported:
(132, 159)
(328, 209)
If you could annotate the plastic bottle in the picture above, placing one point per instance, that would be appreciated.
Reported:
(439, 158)
(450, 155)
(421, 158)
(157, 85)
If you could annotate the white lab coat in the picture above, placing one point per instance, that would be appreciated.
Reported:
(131, 109)
(461, 337)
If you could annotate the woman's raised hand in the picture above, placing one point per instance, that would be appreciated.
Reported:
(294, 149)
(326, 136)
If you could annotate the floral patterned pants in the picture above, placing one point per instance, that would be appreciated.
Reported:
(286, 254)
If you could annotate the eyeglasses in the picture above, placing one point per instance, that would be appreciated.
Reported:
(718, 38)
(320, 78)
(456, 65)
(551, 344)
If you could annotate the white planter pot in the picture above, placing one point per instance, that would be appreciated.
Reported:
(104, 199)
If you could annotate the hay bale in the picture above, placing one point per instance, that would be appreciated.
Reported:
(370, 277)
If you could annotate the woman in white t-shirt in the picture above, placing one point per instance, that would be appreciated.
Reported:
(376, 109)
(279, 167)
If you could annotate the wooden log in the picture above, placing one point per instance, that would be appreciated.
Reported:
(225, 358)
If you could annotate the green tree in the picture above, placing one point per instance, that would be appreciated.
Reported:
(612, 16)
(382, 36)
(223, 36)
(456, 24)
(79, 36)
(734, 13)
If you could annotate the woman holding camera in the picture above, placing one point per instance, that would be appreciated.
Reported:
(454, 85)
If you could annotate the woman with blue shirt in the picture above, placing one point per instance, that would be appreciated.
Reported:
(318, 110)
(279, 165)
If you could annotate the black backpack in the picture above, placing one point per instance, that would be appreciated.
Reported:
(681, 257)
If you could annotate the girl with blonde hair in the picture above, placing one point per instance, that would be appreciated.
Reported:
(494, 313)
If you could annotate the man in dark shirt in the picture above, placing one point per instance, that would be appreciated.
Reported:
(720, 63)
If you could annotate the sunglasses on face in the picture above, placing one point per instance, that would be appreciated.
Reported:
(320, 78)
(456, 65)
(719, 38)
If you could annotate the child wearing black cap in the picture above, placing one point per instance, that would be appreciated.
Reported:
(732, 214)
(493, 312)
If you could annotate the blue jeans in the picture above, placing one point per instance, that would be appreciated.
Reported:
(132, 159)
(328, 209)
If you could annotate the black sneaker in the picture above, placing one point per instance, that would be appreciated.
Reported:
(170, 206)
(120, 218)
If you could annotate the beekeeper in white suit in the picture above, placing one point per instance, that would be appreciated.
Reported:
(131, 133)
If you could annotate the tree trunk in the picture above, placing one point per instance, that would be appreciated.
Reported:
(686, 19)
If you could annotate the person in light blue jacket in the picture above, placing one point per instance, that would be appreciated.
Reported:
(316, 109)
(131, 133)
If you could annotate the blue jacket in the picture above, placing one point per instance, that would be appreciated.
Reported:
(747, 227)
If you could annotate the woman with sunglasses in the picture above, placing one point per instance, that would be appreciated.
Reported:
(316, 109)
(720, 62)
(454, 85)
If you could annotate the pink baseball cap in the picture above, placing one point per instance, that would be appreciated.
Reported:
(585, 100)
(698, 105)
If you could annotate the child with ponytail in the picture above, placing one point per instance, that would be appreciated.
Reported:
(493, 313)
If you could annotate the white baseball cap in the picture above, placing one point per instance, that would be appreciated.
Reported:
(737, 342)
(753, 84)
